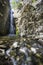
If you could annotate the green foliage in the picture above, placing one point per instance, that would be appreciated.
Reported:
(34, 1)
(16, 4)
(19, 5)
(17, 32)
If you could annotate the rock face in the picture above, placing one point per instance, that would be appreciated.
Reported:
(4, 17)
(31, 20)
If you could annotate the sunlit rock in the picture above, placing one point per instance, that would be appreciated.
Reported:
(33, 50)
(15, 44)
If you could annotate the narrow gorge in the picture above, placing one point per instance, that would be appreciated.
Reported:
(21, 33)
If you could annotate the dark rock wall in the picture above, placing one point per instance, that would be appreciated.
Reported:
(4, 17)
(5, 60)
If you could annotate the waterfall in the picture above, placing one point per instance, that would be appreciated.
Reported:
(13, 60)
(11, 23)
(12, 27)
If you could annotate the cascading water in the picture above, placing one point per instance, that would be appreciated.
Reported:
(13, 60)
(23, 50)
(11, 23)
(12, 27)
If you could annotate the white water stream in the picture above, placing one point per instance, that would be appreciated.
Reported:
(11, 23)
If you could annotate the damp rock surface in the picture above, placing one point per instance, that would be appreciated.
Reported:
(4, 17)
(5, 60)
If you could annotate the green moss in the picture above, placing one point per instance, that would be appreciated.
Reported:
(34, 1)
(17, 32)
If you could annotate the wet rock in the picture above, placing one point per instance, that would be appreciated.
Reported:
(4, 17)
(5, 60)
(1, 42)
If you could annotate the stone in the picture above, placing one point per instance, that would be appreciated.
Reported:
(1, 42)
(5, 61)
